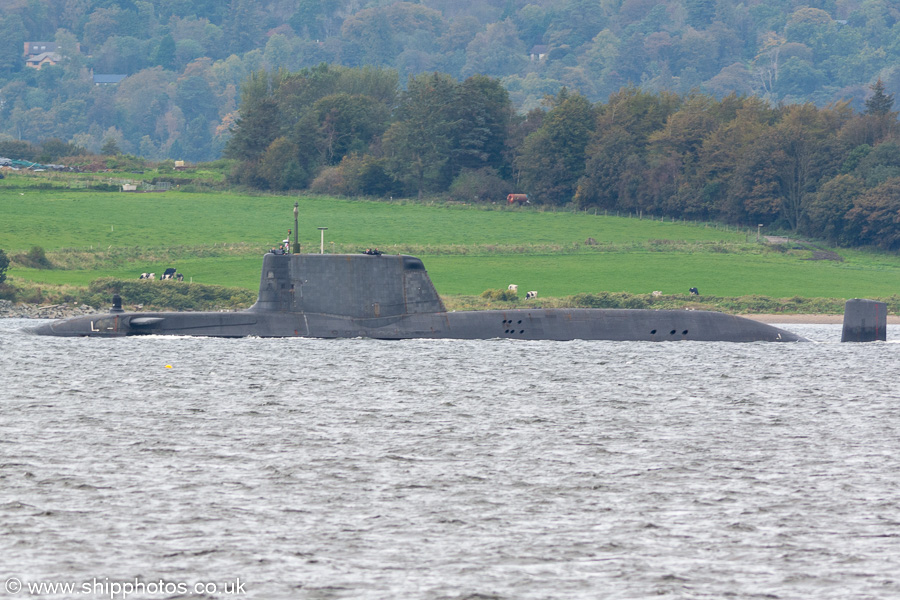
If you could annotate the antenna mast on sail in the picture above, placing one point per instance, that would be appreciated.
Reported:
(296, 247)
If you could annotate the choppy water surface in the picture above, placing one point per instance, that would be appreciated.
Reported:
(453, 469)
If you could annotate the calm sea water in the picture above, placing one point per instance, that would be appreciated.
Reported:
(319, 469)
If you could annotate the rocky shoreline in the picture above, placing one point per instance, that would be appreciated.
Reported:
(8, 310)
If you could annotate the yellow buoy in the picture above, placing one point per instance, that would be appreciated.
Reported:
(168, 366)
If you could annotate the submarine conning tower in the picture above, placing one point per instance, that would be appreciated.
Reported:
(353, 285)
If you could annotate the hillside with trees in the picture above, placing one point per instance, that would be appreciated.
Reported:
(186, 62)
(827, 172)
(777, 113)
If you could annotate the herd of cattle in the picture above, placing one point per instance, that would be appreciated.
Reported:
(528, 295)
(168, 274)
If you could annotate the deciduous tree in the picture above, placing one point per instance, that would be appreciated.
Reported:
(347, 123)
(828, 208)
(482, 115)
(805, 153)
(875, 216)
(616, 157)
(552, 158)
(417, 145)
(280, 167)
(497, 51)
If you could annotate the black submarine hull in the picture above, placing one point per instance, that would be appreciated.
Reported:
(391, 297)
(522, 324)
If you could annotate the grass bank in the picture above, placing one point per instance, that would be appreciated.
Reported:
(218, 238)
(100, 221)
(171, 295)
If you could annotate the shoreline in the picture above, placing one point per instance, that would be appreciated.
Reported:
(808, 319)
(65, 310)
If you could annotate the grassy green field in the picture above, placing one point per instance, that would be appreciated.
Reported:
(218, 238)
(637, 272)
(641, 273)
(56, 219)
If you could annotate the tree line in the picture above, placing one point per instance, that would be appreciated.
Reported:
(352, 131)
(185, 61)
(828, 172)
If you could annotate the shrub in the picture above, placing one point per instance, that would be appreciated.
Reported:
(502, 295)
(633, 301)
(330, 180)
(279, 167)
(8, 292)
(481, 185)
(54, 149)
(105, 187)
(609, 300)
(171, 295)
(35, 258)
(32, 296)
(362, 175)
(247, 173)
(19, 149)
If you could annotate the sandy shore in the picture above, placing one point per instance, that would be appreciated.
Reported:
(811, 319)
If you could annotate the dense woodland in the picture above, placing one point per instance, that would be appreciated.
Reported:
(829, 172)
(774, 112)
(186, 61)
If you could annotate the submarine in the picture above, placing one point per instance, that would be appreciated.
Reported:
(391, 297)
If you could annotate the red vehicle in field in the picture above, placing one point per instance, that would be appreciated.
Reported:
(519, 199)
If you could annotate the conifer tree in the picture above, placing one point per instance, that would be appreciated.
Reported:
(12, 37)
(165, 53)
(879, 103)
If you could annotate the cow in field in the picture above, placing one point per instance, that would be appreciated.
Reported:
(513, 288)
(694, 291)
(530, 295)
(144, 276)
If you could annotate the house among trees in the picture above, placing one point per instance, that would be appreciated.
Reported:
(38, 54)
(110, 79)
(539, 52)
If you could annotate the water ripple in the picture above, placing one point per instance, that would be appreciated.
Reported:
(454, 469)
